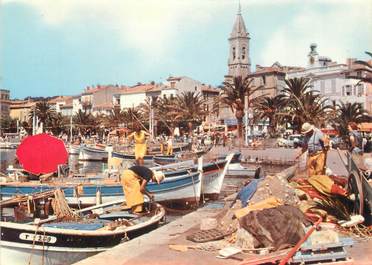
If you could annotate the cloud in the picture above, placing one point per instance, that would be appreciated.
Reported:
(152, 28)
(336, 30)
(147, 26)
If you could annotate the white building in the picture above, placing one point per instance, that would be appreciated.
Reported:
(332, 79)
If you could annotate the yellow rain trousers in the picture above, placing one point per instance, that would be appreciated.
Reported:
(132, 190)
(316, 164)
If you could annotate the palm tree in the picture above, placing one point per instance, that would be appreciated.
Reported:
(84, 120)
(267, 108)
(57, 124)
(365, 66)
(44, 112)
(302, 104)
(166, 112)
(115, 117)
(132, 116)
(233, 95)
(7, 124)
(349, 112)
(189, 107)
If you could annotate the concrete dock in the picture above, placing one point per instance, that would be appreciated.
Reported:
(153, 248)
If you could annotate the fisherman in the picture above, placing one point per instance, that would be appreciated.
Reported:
(134, 181)
(170, 145)
(140, 146)
(317, 145)
(355, 138)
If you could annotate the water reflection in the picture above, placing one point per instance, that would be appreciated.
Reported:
(8, 157)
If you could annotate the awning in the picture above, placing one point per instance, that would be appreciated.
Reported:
(365, 126)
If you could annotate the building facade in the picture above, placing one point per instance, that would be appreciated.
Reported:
(333, 80)
(4, 103)
(21, 109)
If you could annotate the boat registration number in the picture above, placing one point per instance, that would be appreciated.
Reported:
(38, 238)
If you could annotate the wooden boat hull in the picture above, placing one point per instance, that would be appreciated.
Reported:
(74, 149)
(92, 154)
(183, 187)
(21, 243)
(237, 170)
(148, 159)
(213, 176)
(8, 145)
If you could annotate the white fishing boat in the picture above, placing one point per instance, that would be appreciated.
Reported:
(90, 153)
(73, 149)
(56, 241)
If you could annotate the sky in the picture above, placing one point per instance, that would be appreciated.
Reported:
(59, 47)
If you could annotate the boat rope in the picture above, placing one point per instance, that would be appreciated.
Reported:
(43, 255)
(33, 245)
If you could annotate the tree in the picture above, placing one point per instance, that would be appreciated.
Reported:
(7, 124)
(268, 108)
(132, 116)
(167, 113)
(57, 124)
(233, 95)
(349, 112)
(115, 117)
(189, 107)
(302, 104)
(44, 112)
(364, 66)
(84, 120)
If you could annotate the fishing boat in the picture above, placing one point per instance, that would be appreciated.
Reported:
(8, 145)
(237, 170)
(213, 174)
(73, 149)
(165, 160)
(148, 159)
(179, 186)
(59, 240)
(90, 153)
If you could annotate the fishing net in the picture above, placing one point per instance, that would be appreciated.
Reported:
(60, 207)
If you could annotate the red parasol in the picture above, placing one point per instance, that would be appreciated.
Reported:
(42, 153)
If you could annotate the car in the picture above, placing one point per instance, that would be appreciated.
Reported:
(295, 140)
(281, 142)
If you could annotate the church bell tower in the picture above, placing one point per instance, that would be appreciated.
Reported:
(239, 63)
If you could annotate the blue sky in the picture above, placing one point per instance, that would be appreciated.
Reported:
(58, 47)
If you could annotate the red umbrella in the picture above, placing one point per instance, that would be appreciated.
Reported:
(42, 153)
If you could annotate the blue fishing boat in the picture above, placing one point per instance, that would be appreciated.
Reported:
(179, 186)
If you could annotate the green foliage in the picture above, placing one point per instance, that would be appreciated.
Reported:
(349, 112)
(233, 95)
(302, 104)
(8, 125)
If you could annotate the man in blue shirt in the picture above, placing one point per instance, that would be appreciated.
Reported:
(355, 139)
(317, 145)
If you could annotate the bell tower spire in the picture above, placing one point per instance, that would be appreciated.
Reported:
(239, 63)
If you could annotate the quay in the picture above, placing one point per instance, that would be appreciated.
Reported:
(154, 247)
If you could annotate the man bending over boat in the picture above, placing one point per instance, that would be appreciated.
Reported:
(134, 181)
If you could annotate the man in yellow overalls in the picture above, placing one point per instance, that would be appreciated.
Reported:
(140, 146)
(134, 181)
(317, 145)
